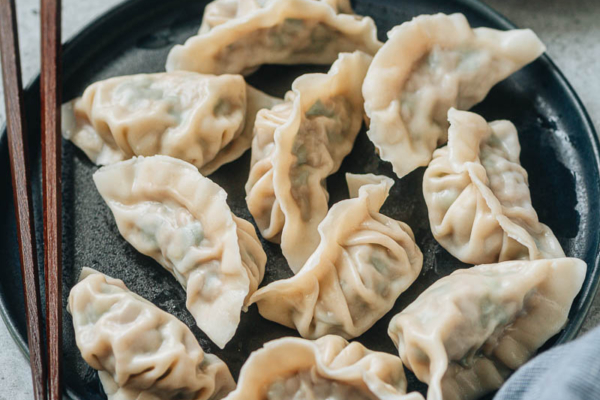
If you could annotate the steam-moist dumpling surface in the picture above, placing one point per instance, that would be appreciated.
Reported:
(167, 210)
(205, 120)
(140, 351)
(239, 36)
(364, 262)
(478, 196)
(218, 12)
(305, 385)
(427, 66)
(296, 146)
(330, 366)
(466, 333)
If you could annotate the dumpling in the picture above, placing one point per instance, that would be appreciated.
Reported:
(467, 332)
(364, 262)
(218, 12)
(238, 36)
(202, 119)
(296, 146)
(167, 210)
(478, 196)
(140, 351)
(427, 66)
(329, 368)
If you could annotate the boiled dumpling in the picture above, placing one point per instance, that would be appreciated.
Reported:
(167, 210)
(329, 368)
(478, 196)
(466, 333)
(140, 351)
(296, 146)
(238, 36)
(202, 119)
(218, 12)
(364, 262)
(427, 66)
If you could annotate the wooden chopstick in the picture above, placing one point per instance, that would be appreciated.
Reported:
(50, 88)
(19, 163)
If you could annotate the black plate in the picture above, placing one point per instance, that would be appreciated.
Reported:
(560, 152)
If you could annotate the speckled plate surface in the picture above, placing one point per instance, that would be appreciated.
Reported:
(559, 150)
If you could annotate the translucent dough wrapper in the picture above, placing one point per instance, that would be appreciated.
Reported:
(329, 368)
(296, 146)
(238, 36)
(140, 351)
(364, 262)
(429, 65)
(467, 332)
(478, 198)
(167, 210)
(205, 120)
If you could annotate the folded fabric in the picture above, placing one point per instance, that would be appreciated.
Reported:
(567, 372)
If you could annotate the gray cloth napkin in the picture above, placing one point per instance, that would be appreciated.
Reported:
(567, 372)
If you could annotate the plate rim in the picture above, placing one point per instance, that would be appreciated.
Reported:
(574, 325)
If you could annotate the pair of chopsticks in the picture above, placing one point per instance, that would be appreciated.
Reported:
(46, 382)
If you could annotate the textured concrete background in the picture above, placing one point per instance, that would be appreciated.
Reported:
(569, 29)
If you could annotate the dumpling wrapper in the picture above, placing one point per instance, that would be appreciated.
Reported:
(240, 36)
(427, 66)
(364, 262)
(296, 146)
(467, 332)
(328, 368)
(205, 120)
(167, 210)
(478, 198)
(218, 12)
(140, 351)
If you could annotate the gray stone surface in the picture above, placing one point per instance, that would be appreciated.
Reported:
(570, 30)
